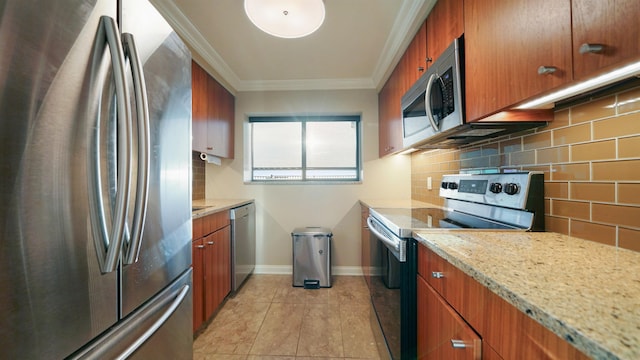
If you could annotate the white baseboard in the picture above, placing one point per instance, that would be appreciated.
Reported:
(288, 270)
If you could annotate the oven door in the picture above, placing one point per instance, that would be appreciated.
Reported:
(393, 289)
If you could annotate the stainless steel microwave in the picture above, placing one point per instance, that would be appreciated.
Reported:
(434, 103)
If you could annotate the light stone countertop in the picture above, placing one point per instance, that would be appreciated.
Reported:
(206, 207)
(586, 293)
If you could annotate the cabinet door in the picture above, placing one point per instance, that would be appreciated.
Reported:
(612, 24)
(506, 42)
(220, 130)
(413, 61)
(444, 24)
(210, 273)
(390, 116)
(198, 251)
(224, 239)
(199, 111)
(443, 334)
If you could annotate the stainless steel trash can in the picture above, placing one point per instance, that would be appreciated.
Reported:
(311, 257)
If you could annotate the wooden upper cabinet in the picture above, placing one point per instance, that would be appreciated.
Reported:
(213, 115)
(411, 66)
(390, 116)
(199, 108)
(613, 25)
(507, 44)
(414, 60)
(444, 24)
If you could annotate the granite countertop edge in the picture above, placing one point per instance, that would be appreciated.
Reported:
(594, 348)
(204, 207)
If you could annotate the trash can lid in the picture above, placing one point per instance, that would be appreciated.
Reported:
(312, 230)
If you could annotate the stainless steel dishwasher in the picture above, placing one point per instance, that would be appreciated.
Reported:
(243, 243)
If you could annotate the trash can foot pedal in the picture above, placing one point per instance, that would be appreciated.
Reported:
(312, 284)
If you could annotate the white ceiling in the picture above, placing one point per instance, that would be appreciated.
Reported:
(356, 47)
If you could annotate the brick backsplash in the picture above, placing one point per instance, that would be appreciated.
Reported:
(590, 155)
(198, 181)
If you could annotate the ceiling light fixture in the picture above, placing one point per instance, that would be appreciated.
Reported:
(286, 18)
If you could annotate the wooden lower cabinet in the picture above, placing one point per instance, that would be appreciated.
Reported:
(458, 306)
(217, 279)
(211, 261)
(442, 333)
(197, 253)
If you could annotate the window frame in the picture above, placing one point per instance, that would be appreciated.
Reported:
(303, 120)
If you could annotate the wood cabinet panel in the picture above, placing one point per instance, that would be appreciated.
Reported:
(211, 261)
(444, 24)
(445, 334)
(390, 116)
(199, 107)
(514, 335)
(506, 41)
(197, 254)
(213, 115)
(613, 24)
(414, 61)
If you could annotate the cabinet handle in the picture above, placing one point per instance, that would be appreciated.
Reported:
(429, 59)
(544, 70)
(210, 243)
(458, 344)
(437, 275)
(199, 246)
(209, 147)
(420, 68)
(591, 48)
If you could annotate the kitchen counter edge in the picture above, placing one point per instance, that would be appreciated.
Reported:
(212, 206)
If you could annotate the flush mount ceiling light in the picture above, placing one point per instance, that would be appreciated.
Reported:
(286, 18)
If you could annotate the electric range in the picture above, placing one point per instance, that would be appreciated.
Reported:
(505, 201)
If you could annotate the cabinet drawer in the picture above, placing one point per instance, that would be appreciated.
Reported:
(198, 228)
(464, 294)
(206, 225)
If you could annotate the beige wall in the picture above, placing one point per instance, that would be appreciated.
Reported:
(590, 155)
(281, 208)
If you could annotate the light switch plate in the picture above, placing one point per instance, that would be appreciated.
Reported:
(429, 185)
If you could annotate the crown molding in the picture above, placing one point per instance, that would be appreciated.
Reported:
(406, 24)
(408, 20)
(307, 84)
(192, 36)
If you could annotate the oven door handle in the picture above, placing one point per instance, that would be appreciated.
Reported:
(388, 242)
(396, 247)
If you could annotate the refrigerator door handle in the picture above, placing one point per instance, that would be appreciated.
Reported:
(132, 248)
(108, 243)
(157, 324)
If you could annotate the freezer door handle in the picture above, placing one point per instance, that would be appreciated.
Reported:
(108, 242)
(156, 325)
(132, 247)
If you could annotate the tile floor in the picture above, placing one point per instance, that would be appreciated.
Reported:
(270, 319)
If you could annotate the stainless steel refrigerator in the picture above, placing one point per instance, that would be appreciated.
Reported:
(95, 194)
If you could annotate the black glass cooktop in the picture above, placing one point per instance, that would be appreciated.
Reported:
(402, 221)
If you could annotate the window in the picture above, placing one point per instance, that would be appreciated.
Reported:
(305, 148)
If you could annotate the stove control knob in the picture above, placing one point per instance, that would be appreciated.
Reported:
(495, 188)
(453, 186)
(511, 188)
(444, 185)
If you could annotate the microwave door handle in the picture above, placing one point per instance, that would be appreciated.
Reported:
(427, 102)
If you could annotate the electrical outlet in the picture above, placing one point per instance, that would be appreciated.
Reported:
(429, 185)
